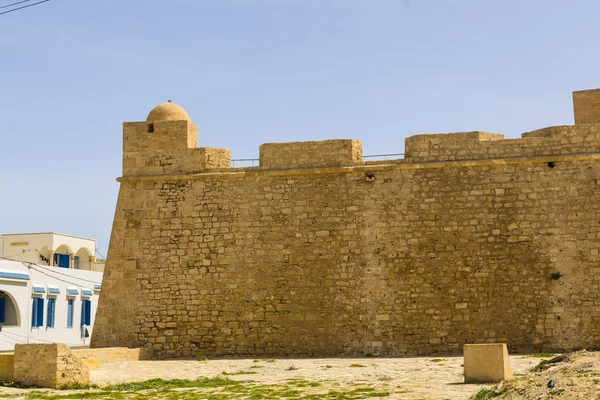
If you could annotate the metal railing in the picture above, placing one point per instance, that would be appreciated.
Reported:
(255, 162)
(376, 157)
(245, 162)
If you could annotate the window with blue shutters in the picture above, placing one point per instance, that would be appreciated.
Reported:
(70, 313)
(37, 314)
(86, 311)
(50, 316)
(2, 309)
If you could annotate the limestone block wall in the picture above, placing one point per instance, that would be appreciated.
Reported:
(420, 260)
(326, 153)
(48, 365)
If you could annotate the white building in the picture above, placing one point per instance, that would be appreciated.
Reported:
(53, 249)
(40, 304)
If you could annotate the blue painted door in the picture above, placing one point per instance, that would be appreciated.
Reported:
(61, 260)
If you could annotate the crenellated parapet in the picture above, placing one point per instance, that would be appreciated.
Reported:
(167, 143)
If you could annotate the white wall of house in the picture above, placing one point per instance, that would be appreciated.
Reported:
(40, 248)
(17, 283)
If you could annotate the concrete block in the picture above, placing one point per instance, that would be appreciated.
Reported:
(486, 363)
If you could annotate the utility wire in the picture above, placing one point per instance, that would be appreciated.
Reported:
(34, 338)
(20, 8)
(63, 280)
(17, 254)
(10, 343)
(33, 266)
(14, 4)
(100, 254)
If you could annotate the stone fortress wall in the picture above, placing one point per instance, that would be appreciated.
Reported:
(471, 238)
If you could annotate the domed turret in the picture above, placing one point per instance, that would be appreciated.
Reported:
(168, 111)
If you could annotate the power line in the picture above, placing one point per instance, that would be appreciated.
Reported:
(32, 265)
(7, 342)
(63, 280)
(14, 4)
(100, 254)
(20, 8)
(33, 338)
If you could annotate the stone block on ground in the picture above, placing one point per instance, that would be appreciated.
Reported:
(49, 365)
(486, 363)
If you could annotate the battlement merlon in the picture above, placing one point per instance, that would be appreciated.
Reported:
(325, 153)
(586, 106)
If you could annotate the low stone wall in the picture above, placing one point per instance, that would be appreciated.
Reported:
(52, 365)
(48, 365)
(114, 354)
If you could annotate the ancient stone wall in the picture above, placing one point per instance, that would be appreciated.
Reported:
(415, 256)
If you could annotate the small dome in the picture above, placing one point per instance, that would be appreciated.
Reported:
(168, 111)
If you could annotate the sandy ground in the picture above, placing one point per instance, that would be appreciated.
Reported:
(405, 378)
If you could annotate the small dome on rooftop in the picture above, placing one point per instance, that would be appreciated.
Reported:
(168, 111)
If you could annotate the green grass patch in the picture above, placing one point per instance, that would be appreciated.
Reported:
(542, 355)
(483, 394)
(218, 388)
(303, 383)
(239, 373)
(79, 395)
(540, 366)
(161, 384)
(357, 366)
(436, 360)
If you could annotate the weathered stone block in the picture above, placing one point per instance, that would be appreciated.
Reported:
(48, 365)
(486, 363)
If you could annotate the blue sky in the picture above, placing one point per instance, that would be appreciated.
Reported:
(256, 71)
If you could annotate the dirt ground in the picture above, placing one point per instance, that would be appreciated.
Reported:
(405, 378)
(430, 378)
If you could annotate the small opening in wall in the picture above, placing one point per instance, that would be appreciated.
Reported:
(550, 164)
(150, 128)
(370, 177)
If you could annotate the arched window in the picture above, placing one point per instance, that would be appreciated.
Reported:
(9, 311)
